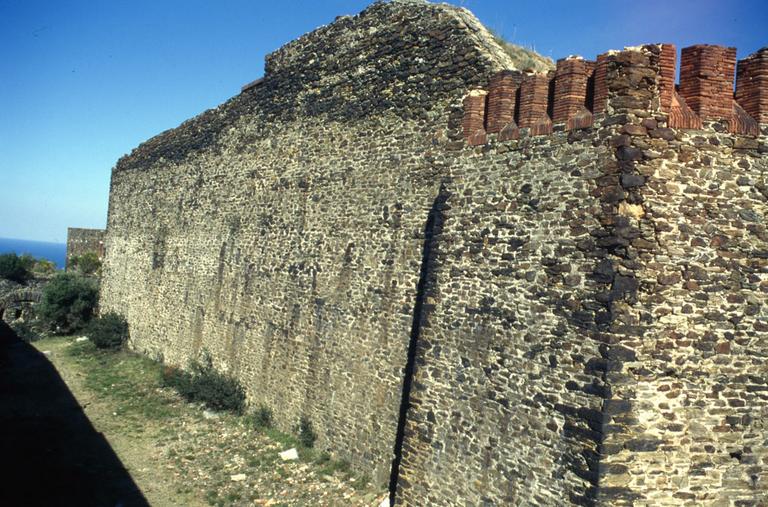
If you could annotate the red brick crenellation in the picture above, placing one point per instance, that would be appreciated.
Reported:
(681, 116)
(534, 103)
(600, 92)
(668, 64)
(671, 102)
(706, 80)
(752, 85)
(571, 78)
(578, 89)
(473, 123)
(502, 93)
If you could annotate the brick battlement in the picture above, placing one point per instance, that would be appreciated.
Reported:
(577, 91)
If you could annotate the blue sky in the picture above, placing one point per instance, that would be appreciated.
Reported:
(84, 82)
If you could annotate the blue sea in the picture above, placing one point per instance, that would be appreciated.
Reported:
(55, 252)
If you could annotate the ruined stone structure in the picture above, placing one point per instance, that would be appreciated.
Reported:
(82, 241)
(17, 301)
(486, 286)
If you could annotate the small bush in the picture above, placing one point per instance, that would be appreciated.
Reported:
(68, 303)
(262, 417)
(204, 384)
(110, 331)
(86, 264)
(43, 267)
(307, 435)
(175, 378)
(14, 268)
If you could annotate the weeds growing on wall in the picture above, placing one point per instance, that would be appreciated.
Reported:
(202, 383)
(524, 58)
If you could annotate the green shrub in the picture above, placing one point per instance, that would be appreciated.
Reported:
(176, 378)
(43, 267)
(204, 384)
(86, 264)
(14, 268)
(110, 331)
(68, 303)
(307, 435)
(262, 417)
(28, 261)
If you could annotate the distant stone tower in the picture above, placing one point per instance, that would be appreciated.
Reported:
(82, 241)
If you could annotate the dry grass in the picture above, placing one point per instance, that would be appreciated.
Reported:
(524, 58)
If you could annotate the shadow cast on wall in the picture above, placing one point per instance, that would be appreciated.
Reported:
(432, 229)
(50, 454)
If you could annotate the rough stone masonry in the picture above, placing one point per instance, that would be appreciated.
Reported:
(484, 285)
(83, 241)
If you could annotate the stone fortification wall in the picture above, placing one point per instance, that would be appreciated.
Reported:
(282, 232)
(502, 400)
(82, 241)
(597, 321)
(689, 409)
(563, 285)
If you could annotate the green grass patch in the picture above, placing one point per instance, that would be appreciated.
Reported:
(327, 464)
(331, 467)
(134, 384)
(263, 461)
(127, 378)
(284, 439)
(361, 483)
(211, 496)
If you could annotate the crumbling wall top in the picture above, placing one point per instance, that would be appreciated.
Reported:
(401, 58)
(403, 15)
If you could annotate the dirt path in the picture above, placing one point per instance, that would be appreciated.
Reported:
(175, 453)
(137, 446)
(50, 453)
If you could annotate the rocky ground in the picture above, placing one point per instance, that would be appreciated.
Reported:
(181, 454)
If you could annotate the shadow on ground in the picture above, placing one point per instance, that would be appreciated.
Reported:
(50, 454)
